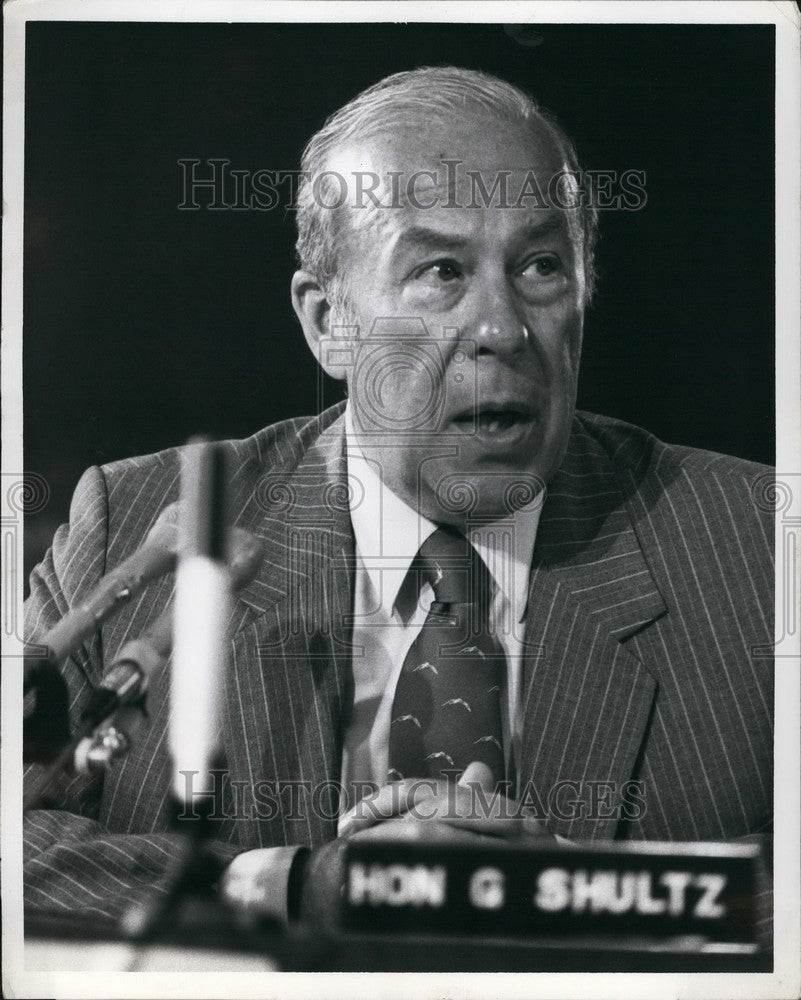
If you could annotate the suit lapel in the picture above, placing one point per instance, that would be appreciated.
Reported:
(291, 656)
(587, 700)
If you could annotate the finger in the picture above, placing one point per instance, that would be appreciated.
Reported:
(405, 828)
(397, 828)
(399, 797)
(477, 773)
(506, 827)
(390, 800)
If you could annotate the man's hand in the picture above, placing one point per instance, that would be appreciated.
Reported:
(418, 809)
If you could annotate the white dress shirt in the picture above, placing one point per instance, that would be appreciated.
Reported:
(388, 534)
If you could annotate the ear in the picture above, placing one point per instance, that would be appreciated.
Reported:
(326, 341)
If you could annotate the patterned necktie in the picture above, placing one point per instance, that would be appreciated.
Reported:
(447, 707)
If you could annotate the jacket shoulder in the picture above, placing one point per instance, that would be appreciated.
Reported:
(707, 493)
(139, 488)
(631, 448)
(280, 445)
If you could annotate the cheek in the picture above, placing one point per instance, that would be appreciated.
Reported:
(560, 343)
(399, 386)
(572, 358)
(401, 375)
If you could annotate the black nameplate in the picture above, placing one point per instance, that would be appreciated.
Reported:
(703, 892)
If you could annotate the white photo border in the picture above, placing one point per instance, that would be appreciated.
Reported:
(785, 981)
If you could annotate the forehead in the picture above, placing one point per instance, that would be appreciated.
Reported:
(480, 140)
(471, 178)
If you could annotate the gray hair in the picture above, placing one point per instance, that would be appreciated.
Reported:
(398, 100)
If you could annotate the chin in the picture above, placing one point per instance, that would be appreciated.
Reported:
(491, 485)
(462, 495)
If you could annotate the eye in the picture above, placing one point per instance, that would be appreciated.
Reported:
(543, 266)
(443, 271)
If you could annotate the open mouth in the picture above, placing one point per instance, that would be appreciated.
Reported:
(493, 420)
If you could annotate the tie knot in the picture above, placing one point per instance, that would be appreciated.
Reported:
(456, 572)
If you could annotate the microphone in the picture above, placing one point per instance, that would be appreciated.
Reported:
(126, 683)
(122, 690)
(46, 722)
(154, 557)
(203, 587)
(46, 737)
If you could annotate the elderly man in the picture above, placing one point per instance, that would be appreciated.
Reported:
(610, 593)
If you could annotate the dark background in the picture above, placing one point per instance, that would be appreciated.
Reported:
(144, 324)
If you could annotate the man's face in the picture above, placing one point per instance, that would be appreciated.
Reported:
(462, 380)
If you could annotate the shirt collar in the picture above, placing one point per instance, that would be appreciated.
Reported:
(389, 533)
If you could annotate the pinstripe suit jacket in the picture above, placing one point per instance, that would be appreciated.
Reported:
(649, 619)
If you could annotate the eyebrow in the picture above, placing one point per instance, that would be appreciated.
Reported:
(436, 239)
(423, 236)
(533, 229)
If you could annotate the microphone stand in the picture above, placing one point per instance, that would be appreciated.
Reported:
(189, 910)
(213, 563)
(191, 913)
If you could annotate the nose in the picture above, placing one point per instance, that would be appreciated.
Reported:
(499, 328)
